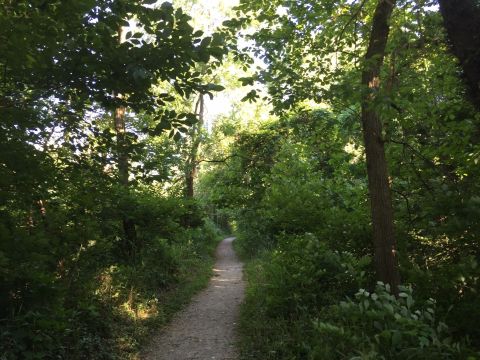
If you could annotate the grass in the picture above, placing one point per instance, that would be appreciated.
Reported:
(263, 336)
(132, 331)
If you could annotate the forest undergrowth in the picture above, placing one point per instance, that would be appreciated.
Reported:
(357, 204)
(296, 193)
(340, 139)
(101, 306)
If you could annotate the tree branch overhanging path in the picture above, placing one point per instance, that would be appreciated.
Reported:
(206, 328)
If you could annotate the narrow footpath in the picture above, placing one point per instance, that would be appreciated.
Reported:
(205, 330)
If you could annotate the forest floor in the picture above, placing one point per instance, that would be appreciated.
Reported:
(206, 329)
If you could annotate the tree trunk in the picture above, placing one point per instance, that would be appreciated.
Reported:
(130, 242)
(122, 154)
(462, 22)
(122, 163)
(386, 261)
(191, 172)
(190, 178)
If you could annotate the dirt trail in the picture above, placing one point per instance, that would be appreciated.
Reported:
(205, 330)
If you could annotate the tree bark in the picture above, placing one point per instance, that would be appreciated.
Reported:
(122, 154)
(190, 179)
(130, 241)
(385, 255)
(192, 165)
(462, 22)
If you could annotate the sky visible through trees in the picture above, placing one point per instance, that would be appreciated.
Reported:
(337, 139)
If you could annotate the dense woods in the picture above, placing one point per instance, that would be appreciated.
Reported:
(345, 160)
(94, 98)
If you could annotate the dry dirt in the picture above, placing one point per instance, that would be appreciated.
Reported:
(206, 328)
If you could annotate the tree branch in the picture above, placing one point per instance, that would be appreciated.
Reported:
(224, 160)
(353, 17)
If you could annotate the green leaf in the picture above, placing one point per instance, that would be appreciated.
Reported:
(215, 87)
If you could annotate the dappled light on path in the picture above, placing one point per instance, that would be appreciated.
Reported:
(206, 328)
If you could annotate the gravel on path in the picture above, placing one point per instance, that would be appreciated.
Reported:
(205, 330)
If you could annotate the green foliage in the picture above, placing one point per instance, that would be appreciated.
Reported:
(378, 325)
(295, 309)
(281, 177)
(305, 173)
(304, 275)
(295, 189)
(69, 287)
(72, 307)
(289, 286)
(74, 285)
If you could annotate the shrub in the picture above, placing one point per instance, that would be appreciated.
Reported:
(287, 288)
(380, 326)
(304, 274)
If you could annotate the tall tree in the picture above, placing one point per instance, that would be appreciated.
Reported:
(462, 22)
(378, 180)
(299, 66)
(130, 241)
(192, 160)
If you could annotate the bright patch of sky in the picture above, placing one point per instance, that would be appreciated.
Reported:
(208, 15)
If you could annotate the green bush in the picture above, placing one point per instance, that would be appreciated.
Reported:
(289, 286)
(378, 325)
(456, 285)
(305, 173)
(68, 290)
(304, 275)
